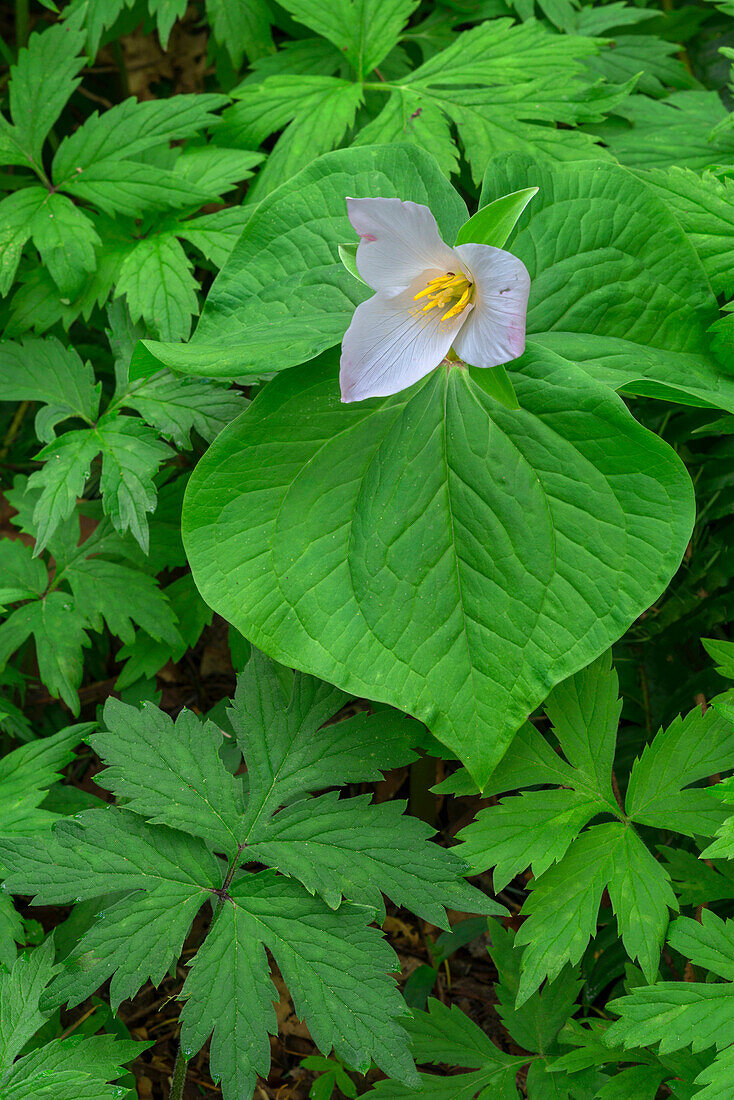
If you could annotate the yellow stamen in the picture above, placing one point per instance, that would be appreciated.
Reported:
(457, 308)
(453, 289)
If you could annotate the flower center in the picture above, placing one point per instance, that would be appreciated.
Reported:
(453, 289)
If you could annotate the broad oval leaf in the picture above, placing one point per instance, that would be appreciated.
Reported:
(616, 284)
(437, 550)
(284, 295)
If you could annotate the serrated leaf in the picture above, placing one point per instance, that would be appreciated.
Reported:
(25, 775)
(642, 1082)
(349, 848)
(166, 13)
(94, 1060)
(59, 634)
(23, 576)
(335, 963)
(16, 216)
(46, 371)
(158, 281)
(144, 657)
(718, 1077)
(20, 993)
(191, 791)
(695, 881)
(241, 27)
(11, 931)
(655, 62)
(94, 163)
(563, 906)
(708, 943)
(215, 235)
(584, 711)
(66, 240)
(109, 591)
(317, 110)
(214, 169)
(704, 206)
(66, 467)
(131, 455)
(641, 896)
(684, 130)
(534, 830)
(229, 992)
(337, 969)
(690, 749)
(105, 851)
(42, 80)
(136, 939)
(675, 1014)
(535, 1024)
(444, 1034)
(177, 406)
(288, 751)
(363, 30)
(458, 656)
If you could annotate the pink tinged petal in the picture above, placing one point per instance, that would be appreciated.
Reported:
(494, 332)
(391, 344)
(399, 242)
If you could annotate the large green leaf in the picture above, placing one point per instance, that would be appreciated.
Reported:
(616, 286)
(284, 294)
(437, 550)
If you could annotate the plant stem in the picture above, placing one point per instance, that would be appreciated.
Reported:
(179, 1076)
(22, 23)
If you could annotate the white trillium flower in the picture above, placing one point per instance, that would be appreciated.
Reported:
(429, 299)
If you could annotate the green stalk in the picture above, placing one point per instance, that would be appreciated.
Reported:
(22, 23)
(179, 1076)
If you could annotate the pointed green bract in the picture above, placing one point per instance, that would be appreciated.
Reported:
(492, 224)
(383, 545)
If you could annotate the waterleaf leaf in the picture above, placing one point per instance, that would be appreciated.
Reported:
(363, 30)
(60, 636)
(42, 80)
(241, 27)
(46, 371)
(335, 962)
(157, 278)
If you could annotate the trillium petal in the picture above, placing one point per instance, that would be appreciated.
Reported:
(494, 332)
(399, 242)
(391, 344)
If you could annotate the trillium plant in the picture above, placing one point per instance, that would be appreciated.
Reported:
(366, 550)
(431, 301)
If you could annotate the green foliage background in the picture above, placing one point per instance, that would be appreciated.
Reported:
(180, 484)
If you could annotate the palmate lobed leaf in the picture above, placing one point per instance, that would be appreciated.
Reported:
(335, 962)
(410, 524)
(571, 868)
(63, 1069)
(131, 455)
